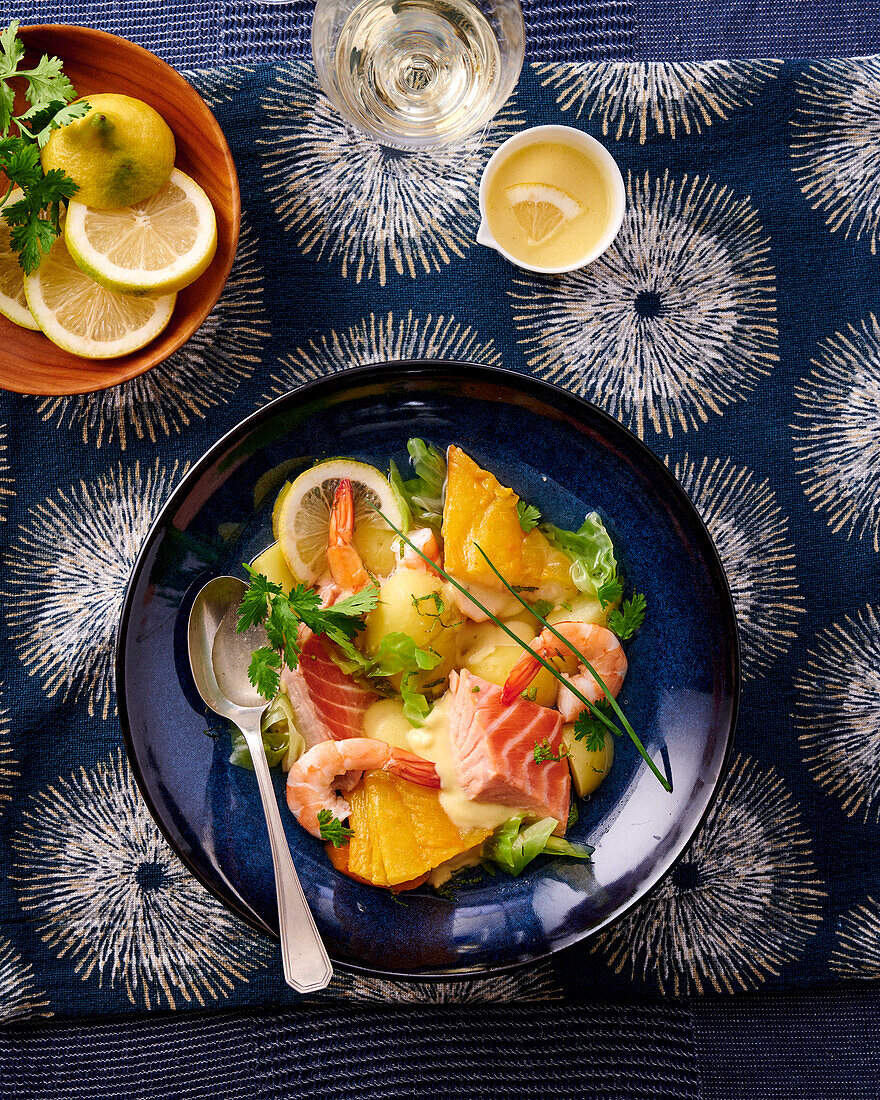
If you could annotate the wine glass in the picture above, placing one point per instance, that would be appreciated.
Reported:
(418, 74)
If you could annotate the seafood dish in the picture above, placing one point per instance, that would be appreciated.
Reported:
(441, 666)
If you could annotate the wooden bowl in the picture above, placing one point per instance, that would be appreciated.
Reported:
(99, 62)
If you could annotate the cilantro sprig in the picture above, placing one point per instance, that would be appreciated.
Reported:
(629, 618)
(528, 515)
(35, 219)
(333, 829)
(265, 604)
(590, 729)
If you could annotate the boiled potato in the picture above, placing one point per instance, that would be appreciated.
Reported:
(271, 564)
(407, 605)
(385, 721)
(485, 650)
(588, 769)
(584, 609)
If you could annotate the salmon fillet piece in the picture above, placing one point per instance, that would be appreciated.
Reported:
(329, 703)
(493, 748)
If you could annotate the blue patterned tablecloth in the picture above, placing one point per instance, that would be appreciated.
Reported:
(733, 325)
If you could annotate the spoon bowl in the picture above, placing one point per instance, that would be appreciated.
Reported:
(219, 656)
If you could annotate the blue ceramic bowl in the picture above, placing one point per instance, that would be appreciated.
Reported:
(558, 452)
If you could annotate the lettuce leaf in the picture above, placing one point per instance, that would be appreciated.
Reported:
(421, 498)
(513, 845)
(397, 653)
(591, 551)
(281, 737)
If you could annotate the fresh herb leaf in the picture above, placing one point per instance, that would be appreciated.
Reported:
(528, 514)
(264, 603)
(256, 603)
(591, 551)
(341, 623)
(333, 829)
(544, 754)
(609, 592)
(589, 729)
(41, 121)
(282, 628)
(541, 608)
(264, 671)
(629, 618)
(531, 694)
(35, 220)
(572, 816)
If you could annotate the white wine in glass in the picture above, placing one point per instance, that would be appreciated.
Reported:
(418, 73)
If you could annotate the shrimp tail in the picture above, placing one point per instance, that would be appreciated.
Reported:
(524, 671)
(343, 560)
(414, 768)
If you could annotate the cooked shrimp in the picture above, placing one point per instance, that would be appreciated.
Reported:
(343, 560)
(315, 778)
(597, 644)
(425, 539)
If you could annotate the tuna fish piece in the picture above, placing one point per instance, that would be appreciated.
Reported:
(328, 703)
(493, 747)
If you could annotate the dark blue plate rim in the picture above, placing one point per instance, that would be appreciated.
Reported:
(434, 370)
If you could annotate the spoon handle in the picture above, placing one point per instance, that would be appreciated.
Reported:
(303, 955)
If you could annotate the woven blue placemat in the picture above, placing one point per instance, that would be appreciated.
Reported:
(191, 33)
(824, 1047)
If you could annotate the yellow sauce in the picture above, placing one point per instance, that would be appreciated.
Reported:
(384, 720)
(556, 165)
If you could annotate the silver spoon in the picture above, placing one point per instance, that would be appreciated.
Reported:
(219, 659)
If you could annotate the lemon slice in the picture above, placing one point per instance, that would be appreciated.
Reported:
(302, 520)
(158, 245)
(87, 319)
(12, 300)
(541, 209)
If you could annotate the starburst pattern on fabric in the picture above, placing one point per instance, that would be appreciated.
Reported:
(856, 950)
(751, 534)
(67, 569)
(194, 379)
(108, 893)
(372, 209)
(837, 711)
(835, 138)
(742, 903)
(635, 99)
(221, 86)
(675, 321)
(535, 984)
(9, 766)
(19, 997)
(836, 431)
(378, 339)
(6, 489)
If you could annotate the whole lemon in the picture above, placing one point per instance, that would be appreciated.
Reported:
(119, 153)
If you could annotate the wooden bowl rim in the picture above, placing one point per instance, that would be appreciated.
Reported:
(146, 359)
